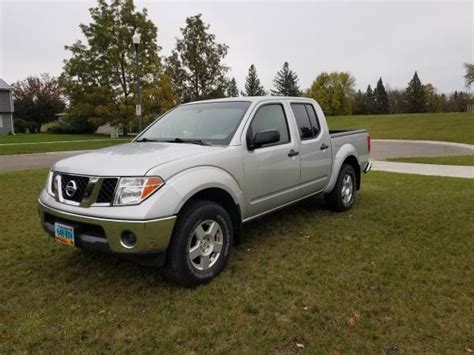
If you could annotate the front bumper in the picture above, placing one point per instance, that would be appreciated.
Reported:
(104, 234)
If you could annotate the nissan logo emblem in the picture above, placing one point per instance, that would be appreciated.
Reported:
(71, 188)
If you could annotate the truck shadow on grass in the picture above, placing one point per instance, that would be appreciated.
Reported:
(260, 233)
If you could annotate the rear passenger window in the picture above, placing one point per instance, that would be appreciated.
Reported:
(302, 120)
(313, 118)
(271, 116)
(306, 119)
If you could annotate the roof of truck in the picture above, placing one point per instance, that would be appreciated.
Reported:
(252, 99)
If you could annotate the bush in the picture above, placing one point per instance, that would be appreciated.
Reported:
(68, 124)
(23, 126)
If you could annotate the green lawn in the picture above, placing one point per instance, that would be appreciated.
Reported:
(45, 142)
(449, 127)
(466, 160)
(394, 271)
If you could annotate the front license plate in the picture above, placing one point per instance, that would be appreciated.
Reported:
(64, 234)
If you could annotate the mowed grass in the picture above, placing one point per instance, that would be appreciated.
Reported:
(395, 271)
(449, 127)
(45, 142)
(465, 160)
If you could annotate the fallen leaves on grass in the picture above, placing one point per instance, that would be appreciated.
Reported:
(352, 320)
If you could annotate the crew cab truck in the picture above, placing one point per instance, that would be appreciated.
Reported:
(178, 194)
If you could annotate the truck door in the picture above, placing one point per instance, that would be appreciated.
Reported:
(272, 172)
(315, 149)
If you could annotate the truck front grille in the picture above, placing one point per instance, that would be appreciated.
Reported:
(73, 187)
(79, 190)
(107, 191)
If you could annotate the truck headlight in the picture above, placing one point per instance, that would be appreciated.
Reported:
(133, 190)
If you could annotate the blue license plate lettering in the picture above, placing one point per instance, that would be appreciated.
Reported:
(64, 234)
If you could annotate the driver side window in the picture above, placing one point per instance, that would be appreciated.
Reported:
(271, 116)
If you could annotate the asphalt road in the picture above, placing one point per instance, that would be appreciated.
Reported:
(388, 148)
(381, 149)
(32, 161)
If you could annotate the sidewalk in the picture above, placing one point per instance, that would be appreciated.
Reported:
(424, 169)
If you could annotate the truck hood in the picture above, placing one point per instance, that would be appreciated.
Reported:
(132, 159)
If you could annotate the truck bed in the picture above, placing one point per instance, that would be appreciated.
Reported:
(335, 133)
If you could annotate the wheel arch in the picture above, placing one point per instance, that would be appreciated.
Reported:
(352, 161)
(224, 199)
(346, 154)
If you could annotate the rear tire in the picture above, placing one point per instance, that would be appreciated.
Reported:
(344, 194)
(200, 245)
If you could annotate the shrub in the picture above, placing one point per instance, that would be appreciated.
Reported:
(68, 124)
(23, 126)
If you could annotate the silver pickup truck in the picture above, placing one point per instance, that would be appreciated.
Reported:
(178, 194)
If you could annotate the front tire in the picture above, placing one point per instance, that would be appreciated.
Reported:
(200, 244)
(344, 194)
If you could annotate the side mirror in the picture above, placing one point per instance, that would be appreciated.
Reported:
(263, 137)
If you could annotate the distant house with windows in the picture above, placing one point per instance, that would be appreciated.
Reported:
(6, 108)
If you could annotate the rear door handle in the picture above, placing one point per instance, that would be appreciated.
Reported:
(324, 146)
(293, 153)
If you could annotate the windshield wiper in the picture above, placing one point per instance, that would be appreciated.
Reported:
(144, 140)
(181, 140)
(173, 140)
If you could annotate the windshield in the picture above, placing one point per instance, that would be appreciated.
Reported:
(209, 123)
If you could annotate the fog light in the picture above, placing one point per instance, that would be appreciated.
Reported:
(128, 239)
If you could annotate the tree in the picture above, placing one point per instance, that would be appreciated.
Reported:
(434, 101)
(334, 92)
(286, 82)
(100, 75)
(252, 84)
(232, 89)
(38, 99)
(458, 101)
(195, 65)
(358, 107)
(469, 76)
(370, 103)
(396, 100)
(415, 95)
(381, 99)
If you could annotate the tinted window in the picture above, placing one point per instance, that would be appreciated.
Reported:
(270, 117)
(313, 118)
(213, 122)
(302, 120)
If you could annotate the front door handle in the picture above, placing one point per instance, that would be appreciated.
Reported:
(293, 153)
(324, 146)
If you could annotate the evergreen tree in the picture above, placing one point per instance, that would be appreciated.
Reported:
(286, 82)
(358, 107)
(232, 90)
(415, 95)
(252, 84)
(381, 99)
(195, 65)
(370, 103)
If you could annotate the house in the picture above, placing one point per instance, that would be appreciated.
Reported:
(6, 108)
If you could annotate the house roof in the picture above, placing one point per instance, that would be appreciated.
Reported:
(4, 85)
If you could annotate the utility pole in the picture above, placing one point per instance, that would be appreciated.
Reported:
(138, 108)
